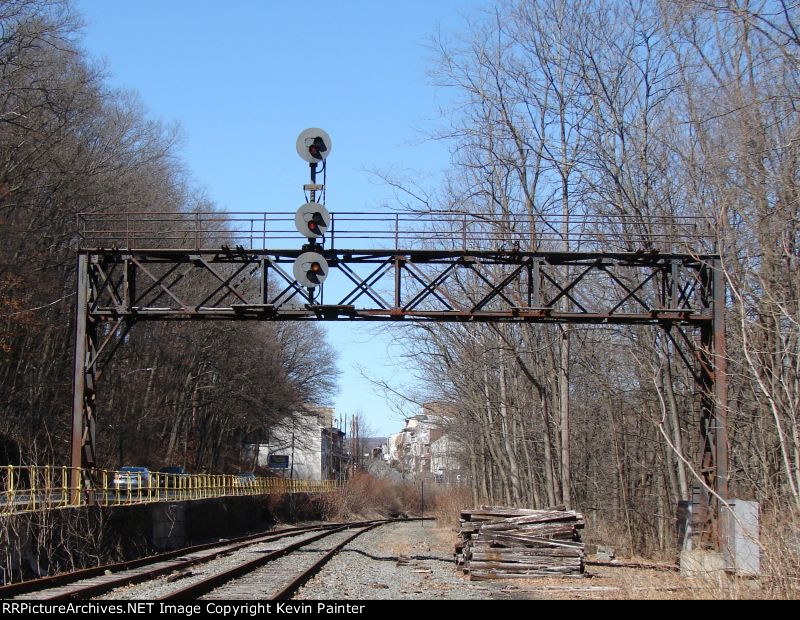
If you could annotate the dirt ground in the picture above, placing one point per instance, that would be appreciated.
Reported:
(414, 561)
(607, 582)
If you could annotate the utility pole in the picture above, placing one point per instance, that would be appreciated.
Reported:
(422, 484)
(291, 467)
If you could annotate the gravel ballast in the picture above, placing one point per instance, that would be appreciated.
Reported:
(412, 560)
(166, 584)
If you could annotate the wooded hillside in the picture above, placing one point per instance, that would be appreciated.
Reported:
(174, 393)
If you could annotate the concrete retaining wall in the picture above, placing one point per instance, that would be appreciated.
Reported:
(54, 541)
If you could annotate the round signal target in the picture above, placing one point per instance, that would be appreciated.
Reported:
(312, 220)
(310, 269)
(313, 144)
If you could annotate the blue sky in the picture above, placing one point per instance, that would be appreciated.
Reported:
(243, 78)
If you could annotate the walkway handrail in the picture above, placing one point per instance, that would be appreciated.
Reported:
(452, 230)
(44, 487)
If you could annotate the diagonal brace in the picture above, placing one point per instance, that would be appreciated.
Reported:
(364, 287)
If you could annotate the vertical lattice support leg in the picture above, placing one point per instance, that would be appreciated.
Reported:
(714, 408)
(83, 387)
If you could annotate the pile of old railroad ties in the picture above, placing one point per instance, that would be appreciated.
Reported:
(498, 542)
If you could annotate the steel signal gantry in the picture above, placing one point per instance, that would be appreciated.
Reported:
(435, 266)
(681, 292)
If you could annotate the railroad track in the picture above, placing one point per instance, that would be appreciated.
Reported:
(276, 575)
(207, 567)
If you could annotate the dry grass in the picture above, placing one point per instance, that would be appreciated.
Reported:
(779, 579)
(780, 553)
(365, 496)
(618, 583)
(447, 504)
(49, 542)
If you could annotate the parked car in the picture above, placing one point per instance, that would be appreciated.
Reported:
(132, 478)
(171, 476)
(245, 478)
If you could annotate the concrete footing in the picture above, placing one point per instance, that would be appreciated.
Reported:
(698, 562)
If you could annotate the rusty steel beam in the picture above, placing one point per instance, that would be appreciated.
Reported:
(719, 363)
(422, 284)
(345, 312)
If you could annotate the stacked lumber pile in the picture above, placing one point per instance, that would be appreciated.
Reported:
(500, 542)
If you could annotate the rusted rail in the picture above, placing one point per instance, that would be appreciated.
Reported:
(289, 589)
(197, 590)
(90, 582)
(285, 590)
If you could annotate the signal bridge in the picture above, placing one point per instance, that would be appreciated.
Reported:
(436, 266)
(390, 266)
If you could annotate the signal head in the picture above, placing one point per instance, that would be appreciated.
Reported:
(313, 145)
(312, 220)
(310, 269)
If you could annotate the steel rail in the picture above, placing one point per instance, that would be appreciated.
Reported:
(201, 588)
(196, 590)
(44, 583)
(288, 590)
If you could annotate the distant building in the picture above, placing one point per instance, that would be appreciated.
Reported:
(445, 465)
(393, 443)
(374, 447)
(304, 446)
(422, 448)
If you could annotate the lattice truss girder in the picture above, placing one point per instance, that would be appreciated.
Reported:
(412, 285)
(678, 292)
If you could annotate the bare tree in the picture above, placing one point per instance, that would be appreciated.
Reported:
(644, 110)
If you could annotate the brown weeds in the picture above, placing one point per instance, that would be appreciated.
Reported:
(366, 495)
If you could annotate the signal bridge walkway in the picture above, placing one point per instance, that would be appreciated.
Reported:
(38, 488)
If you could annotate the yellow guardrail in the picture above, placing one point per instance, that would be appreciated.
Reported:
(30, 488)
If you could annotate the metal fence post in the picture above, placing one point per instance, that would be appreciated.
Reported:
(32, 490)
(48, 490)
(11, 494)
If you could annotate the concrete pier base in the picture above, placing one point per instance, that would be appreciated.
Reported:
(696, 563)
